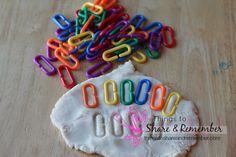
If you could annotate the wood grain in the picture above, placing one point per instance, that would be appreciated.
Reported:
(205, 31)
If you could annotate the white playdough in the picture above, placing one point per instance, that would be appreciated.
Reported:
(83, 131)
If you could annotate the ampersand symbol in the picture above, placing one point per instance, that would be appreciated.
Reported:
(175, 129)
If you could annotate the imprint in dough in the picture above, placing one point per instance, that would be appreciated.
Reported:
(99, 125)
(117, 128)
(93, 131)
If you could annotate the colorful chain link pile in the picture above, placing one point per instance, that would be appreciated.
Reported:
(102, 33)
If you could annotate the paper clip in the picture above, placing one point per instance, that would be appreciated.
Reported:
(134, 44)
(161, 97)
(52, 45)
(82, 56)
(137, 21)
(105, 30)
(97, 55)
(102, 45)
(106, 54)
(105, 3)
(77, 28)
(82, 16)
(60, 51)
(110, 19)
(165, 39)
(146, 93)
(119, 27)
(83, 12)
(131, 42)
(100, 18)
(58, 31)
(45, 60)
(99, 69)
(139, 37)
(59, 17)
(78, 25)
(62, 77)
(128, 31)
(85, 95)
(155, 41)
(122, 92)
(91, 44)
(142, 33)
(67, 47)
(79, 49)
(106, 92)
(97, 9)
(80, 38)
(65, 35)
(87, 24)
(150, 54)
(157, 26)
(139, 57)
(177, 100)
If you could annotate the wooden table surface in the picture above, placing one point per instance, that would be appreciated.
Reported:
(201, 68)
